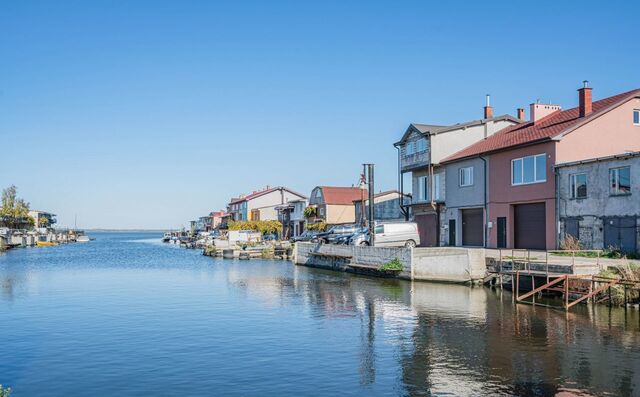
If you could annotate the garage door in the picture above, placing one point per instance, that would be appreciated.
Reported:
(620, 233)
(427, 226)
(529, 226)
(472, 227)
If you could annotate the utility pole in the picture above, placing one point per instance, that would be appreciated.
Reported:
(371, 223)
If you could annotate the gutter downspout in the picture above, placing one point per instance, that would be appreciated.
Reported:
(557, 203)
(486, 208)
(404, 211)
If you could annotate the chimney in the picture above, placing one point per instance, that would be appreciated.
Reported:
(584, 97)
(521, 113)
(488, 110)
(539, 110)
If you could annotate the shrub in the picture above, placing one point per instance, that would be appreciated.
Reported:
(395, 264)
(318, 227)
(264, 227)
(570, 243)
(4, 391)
(309, 212)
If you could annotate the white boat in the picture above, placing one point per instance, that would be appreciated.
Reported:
(82, 239)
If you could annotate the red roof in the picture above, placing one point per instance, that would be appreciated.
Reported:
(262, 192)
(342, 195)
(544, 129)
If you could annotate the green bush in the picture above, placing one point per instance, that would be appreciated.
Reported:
(264, 227)
(318, 227)
(4, 391)
(395, 264)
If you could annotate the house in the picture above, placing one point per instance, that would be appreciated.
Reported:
(420, 153)
(598, 201)
(203, 224)
(334, 205)
(42, 218)
(261, 204)
(291, 215)
(216, 218)
(387, 206)
(520, 210)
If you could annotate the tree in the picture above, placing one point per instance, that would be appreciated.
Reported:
(14, 211)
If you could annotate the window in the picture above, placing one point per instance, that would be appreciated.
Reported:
(530, 169)
(620, 180)
(410, 148)
(578, 186)
(422, 188)
(379, 229)
(466, 176)
(321, 211)
(436, 187)
(421, 145)
(636, 117)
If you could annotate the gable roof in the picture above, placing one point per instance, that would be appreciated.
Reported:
(262, 193)
(341, 195)
(547, 128)
(432, 129)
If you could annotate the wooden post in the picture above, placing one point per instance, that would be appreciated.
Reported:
(533, 287)
(517, 291)
(566, 292)
(625, 297)
(609, 292)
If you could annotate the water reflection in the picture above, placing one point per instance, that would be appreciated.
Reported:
(236, 327)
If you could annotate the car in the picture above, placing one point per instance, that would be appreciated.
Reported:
(307, 235)
(335, 232)
(390, 234)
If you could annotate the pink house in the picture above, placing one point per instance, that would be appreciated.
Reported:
(521, 184)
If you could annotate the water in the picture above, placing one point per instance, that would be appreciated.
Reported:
(128, 316)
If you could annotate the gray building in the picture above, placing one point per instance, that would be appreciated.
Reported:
(599, 202)
(464, 217)
(387, 207)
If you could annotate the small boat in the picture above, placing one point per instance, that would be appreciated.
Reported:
(166, 237)
(45, 244)
(83, 239)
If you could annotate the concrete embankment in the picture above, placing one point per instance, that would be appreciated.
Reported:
(446, 264)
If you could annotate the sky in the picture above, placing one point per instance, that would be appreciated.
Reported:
(147, 114)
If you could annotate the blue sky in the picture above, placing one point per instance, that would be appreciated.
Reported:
(146, 114)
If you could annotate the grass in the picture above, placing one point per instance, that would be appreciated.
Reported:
(608, 253)
(628, 272)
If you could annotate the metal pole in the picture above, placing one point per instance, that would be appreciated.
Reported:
(371, 186)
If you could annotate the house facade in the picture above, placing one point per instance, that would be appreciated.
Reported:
(420, 153)
(261, 204)
(521, 197)
(334, 204)
(599, 202)
(387, 207)
(291, 215)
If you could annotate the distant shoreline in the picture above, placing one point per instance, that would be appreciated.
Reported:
(124, 230)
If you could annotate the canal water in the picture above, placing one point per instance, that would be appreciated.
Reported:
(126, 315)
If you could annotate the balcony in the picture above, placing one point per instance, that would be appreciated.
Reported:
(413, 161)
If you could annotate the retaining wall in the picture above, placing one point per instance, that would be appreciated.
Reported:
(368, 256)
(449, 264)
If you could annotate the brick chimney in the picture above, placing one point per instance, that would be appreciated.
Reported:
(584, 97)
(521, 113)
(488, 110)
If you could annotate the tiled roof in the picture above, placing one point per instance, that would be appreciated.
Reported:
(341, 195)
(544, 129)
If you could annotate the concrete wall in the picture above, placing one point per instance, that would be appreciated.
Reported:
(502, 195)
(373, 256)
(599, 202)
(610, 134)
(449, 264)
